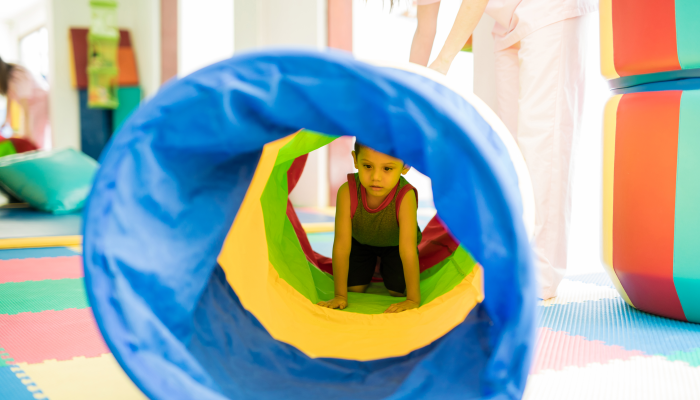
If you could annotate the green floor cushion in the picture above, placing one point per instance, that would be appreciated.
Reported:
(55, 181)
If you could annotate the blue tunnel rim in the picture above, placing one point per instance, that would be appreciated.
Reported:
(524, 290)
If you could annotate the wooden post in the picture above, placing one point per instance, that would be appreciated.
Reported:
(168, 39)
(339, 37)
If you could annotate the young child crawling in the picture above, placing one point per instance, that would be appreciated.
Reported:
(376, 218)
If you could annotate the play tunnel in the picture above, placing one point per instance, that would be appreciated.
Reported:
(204, 284)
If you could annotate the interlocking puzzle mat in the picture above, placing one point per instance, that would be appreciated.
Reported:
(50, 346)
(593, 345)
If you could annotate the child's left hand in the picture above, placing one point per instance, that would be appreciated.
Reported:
(403, 306)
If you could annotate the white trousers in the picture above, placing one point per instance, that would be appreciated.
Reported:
(540, 84)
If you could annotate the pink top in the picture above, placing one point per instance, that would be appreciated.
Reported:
(24, 86)
(516, 19)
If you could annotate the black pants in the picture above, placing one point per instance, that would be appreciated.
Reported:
(363, 260)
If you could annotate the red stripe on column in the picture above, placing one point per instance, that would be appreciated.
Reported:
(646, 146)
(644, 36)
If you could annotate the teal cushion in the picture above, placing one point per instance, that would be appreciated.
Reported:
(56, 181)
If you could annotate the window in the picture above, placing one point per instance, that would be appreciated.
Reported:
(34, 52)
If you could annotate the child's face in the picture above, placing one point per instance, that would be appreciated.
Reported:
(379, 172)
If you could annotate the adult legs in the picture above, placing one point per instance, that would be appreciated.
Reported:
(507, 86)
(550, 106)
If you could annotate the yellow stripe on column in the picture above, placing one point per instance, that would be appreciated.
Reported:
(607, 56)
(291, 318)
(609, 131)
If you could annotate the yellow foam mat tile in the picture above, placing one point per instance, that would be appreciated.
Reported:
(83, 378)
(318, 227)
(46, 241)
(330, 211)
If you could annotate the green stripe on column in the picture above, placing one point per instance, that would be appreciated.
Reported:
(686, 247)
(687, 33)
(37, 296)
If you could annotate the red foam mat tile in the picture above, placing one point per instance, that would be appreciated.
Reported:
(59, 335)
(39, 269)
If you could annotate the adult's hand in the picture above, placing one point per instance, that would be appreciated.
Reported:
(440, 66)
(468, 17)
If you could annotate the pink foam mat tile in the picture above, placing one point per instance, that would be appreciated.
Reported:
(60, 335)
(38, 269)
(558, 350)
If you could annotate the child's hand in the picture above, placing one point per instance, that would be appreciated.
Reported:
(403, 306)
(336, 302)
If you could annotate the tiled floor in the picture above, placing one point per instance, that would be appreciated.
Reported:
(591, 345)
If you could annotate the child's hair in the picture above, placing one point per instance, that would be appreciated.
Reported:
(358, 146)
(5, 70)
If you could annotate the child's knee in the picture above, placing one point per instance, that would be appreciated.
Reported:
(396, 294)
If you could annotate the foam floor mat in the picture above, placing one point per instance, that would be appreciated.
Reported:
(591, 344)
(50, 345)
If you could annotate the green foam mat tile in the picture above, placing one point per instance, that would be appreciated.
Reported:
(5, 359)
(37, 296)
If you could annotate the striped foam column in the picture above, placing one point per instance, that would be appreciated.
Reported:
(651, 183)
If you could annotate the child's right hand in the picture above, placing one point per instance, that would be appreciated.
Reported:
(339, 302)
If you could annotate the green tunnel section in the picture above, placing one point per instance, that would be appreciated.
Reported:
(288, 258)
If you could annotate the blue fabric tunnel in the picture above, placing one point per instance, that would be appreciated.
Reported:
(170, 187)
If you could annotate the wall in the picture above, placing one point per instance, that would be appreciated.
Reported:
(8, 48)
(13, 30)
(8, 52)
(280, 23)
(205, 33)
(141, 17)
(300, 23)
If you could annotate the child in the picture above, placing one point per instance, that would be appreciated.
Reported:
(18, 84)
(376, 218)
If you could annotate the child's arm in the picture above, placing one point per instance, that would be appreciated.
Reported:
(424, 37)
(341, 250)
(408, 249)
(468, 17)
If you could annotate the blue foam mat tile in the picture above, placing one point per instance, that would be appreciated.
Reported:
(11, 387)
(306, 217)
(616, 323)
(322, 243)
(600, 279)
(37, 253)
